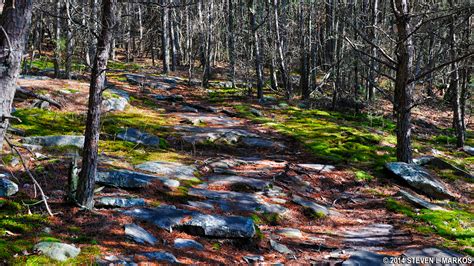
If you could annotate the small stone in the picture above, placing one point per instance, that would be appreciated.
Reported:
(311, 205)
(289, 232)
(189, 109)
(320, 168)
(419, 201)
(251, 259)
(182, 243)
(256, 112)
(7, 187)
(57, 251)
(280, 247)
(161, 257)
(139, 235)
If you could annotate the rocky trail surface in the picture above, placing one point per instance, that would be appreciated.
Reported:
(246, 195)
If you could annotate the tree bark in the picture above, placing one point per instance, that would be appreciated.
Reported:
(165, 40)
(403, 89)
(256, 49)
(15, 21)
(89, 159)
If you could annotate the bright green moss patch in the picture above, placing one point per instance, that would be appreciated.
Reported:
(363, 176)
(456, 226)
(86, 257)
(39, 122)
(116, 65)
(332, 136)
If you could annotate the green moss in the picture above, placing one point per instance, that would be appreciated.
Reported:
(362, 176)
(314, 214)
(42, 63)
(123, 66)
(49, 239)
(456, 226)
(333, 136)
(74, 229)
(86, 257)
(38, 122)
(216, 246)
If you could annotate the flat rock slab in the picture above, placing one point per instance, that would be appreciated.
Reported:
(441, 164)
(205, 135)
(160, 256)
(257, 142)
(319, 168)
(182, 243)
(234, 181)
(119, 202)
(139, 235)
(169, 169)
(418, 201)
(360, 258)
(57, 251)
(50, 141)
(209, 119)
(418, 178)
(7, 187)
(432, 252)
(315, 207)
(154, 82)
(196, 223)
(376, 236)
(139, 137)
(130, 179)
(289, 232)
(229, 201)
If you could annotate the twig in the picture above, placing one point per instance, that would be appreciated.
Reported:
(43, 196)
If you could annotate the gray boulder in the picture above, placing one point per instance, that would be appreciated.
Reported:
(119, 202)
(139, 235)
(114, 104)
(469, 150)
(130, 179)
(317, 208)
(162, 257)
(182, 243)
(169, 169)
(7, 187)
(57, 251)
(50, 141)
(314, 167)
(256, 112)
(136, 136)
(418, 178)
(196, 223)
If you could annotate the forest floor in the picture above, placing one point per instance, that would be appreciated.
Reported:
(332, 159)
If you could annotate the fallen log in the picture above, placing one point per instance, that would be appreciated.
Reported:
(29, 93)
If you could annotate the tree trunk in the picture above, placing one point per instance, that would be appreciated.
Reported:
(403, 90)
(165, 38)
(57, 42)
(256, 49)
(15, 21)
(281, 57)
(69, 44)
(88, 172)
(231, 41)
